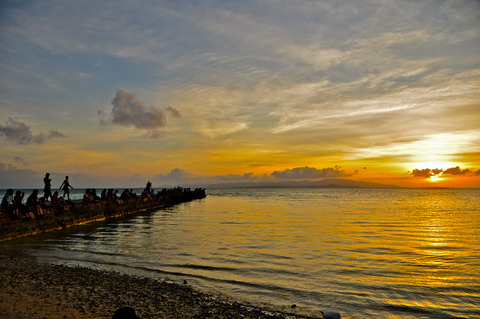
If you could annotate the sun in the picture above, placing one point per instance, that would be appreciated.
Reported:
(435, 178)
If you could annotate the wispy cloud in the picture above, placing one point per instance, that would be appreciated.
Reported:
(255, 84)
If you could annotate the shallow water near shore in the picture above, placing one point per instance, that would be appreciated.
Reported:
(385, 253)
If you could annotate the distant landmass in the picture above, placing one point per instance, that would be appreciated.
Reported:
(325, 183)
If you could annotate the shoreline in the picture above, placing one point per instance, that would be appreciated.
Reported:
(30, 289)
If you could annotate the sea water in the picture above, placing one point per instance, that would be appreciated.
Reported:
(367, 253)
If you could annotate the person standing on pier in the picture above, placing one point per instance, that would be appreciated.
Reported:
(66, 188)
(48, 187)
(149, 187)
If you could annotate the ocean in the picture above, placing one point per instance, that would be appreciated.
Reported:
(367, 253)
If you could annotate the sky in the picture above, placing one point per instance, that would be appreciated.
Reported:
(116, 93)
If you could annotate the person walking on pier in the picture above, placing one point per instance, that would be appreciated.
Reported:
(66, 188)
(48, 187)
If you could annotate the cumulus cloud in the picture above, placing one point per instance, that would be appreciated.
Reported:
(173, 112)
(129, 110)
(428, 172)
(310, 173)
(456, 171)
(20, 133)
(175, 176)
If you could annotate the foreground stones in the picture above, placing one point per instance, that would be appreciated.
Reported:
(34, 290)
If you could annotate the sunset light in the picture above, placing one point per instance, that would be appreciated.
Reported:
(205, 94)
(292, 159)
(435, 179)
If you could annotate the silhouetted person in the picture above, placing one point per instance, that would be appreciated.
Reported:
(8, 204)
(22, 209)
(149, 187)
(87, 197)
(34, 204)
(56, 199)
(66, 188)
(94, 195)
(103, 195)
(47, 190)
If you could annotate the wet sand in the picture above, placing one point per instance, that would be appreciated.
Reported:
(29, 289)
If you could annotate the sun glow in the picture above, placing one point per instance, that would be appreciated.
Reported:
(435, 165)
(435, 179)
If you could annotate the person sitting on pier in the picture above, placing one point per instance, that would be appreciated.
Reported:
(103, 195)
(132, 194)
(18, 198)
(115, 197)
(112, 197)
(22, 209)
(33, 204)
(93, 194)
(87, 197)
(66, 188)
(125, 195)
(8, 205)
(146, 194)
(57, 199)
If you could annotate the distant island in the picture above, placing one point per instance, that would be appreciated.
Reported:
(324, 183)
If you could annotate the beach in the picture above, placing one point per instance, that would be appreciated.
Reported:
(29, 289)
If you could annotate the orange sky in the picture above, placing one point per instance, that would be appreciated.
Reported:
(227, 92)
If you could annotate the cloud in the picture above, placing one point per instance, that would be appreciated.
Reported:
(154, 134)
(54, 133)
(455, 171)
(176, 175)
(236, 177)
(426, 172)
(20, 161)
(129, 110)
(173, 113)
(18, 132)
(310, 173)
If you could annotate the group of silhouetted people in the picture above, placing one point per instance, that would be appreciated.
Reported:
(15, 208)
(54, 198)
(112, 196)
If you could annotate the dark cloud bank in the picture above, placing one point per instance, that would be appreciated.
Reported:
(311, 173)
(298, 174)
(428, 172)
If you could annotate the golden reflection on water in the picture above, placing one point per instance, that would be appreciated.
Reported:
(341, 249)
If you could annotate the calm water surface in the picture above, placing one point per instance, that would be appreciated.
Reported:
(368, 253)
